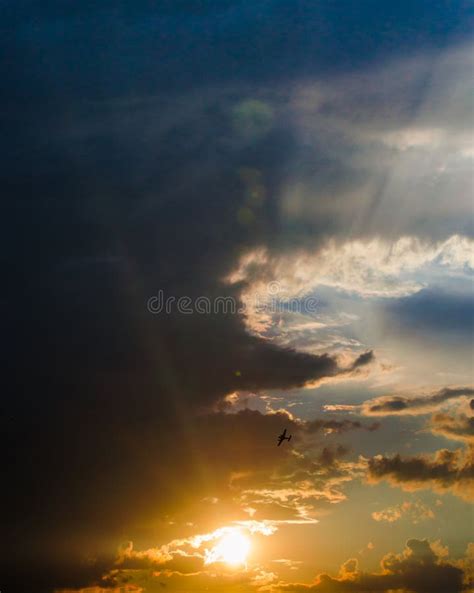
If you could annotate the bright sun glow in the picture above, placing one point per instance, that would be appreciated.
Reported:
(232, 548)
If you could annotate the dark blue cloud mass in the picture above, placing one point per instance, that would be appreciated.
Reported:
(102, 49)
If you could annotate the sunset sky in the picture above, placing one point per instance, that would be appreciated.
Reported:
(311, 163)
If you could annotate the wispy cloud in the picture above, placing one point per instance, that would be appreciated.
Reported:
(414, 511)
(406, 405)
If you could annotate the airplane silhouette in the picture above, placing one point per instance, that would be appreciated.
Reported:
(283, 437)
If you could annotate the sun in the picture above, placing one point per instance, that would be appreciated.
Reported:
(233, 549)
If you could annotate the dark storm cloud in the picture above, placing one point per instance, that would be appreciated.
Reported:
(118, 203)
(73, 50)
(410, 405)
(388, 405)
(363, 359)
(418, 569)
(446, 471)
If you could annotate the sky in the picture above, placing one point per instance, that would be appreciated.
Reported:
(223, 219)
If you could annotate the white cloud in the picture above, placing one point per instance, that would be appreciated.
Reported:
(364, 268)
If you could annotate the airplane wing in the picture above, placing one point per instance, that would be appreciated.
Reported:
(280, 440)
